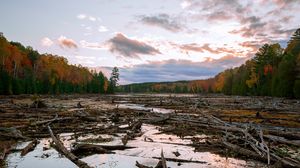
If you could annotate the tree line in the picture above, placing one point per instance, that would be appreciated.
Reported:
(25, 71)
(273, 71)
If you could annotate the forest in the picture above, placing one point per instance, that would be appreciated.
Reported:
(24, 71)
(272, 71)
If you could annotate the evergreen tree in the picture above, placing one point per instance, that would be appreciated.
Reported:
(113, 80)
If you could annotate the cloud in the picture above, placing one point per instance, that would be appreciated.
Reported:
(262, 30)
(64, 42)
(91, 45)
(164, 21)
(219, 16)
(91, 18)
(280, 3)
(185, 4)
(251, 26)
(186, 48)
(81, 16)
(88, 17)
(174, 70)
(102, 29)
(215, 10)
(132, 48)
(46, 42)
(253, 45)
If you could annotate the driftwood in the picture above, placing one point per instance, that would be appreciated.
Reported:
(243, 151)
(163, 160)
(182, 160)
(3, 153)
(30, 147)
(137, 164)
(116, 147)
(10, 133)
(56, 119)
(283, 140)
(85, 149)
(38, 104)
(86, 116)
(67, 153)
(161, 163)
(261, 151)
(99, 148)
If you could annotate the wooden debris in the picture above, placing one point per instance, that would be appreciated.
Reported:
(283, 140)
(86, 149)
(67, 153)
(38, 104)
(176, 153)
(30, 147)
(137, 164)
(10, 133)
(79, 105)
(163, 160)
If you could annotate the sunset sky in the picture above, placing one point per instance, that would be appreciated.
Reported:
(151, 40)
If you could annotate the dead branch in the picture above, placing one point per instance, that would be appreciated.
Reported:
(65, 152)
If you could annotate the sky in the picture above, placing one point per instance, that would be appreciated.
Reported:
(151, 41)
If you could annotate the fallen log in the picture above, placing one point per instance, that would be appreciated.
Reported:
(137, 164)
(30, 147)
(86, 116)
(158, 119)
(161, 163)
(6, 146)
(10, 133)
(115, 147)
(86, 149)
(3, 153)
(51, 120)
(283, 140)
(182, 160)
(286, 162)
(243, 151)
(285, 134)
(65, 152)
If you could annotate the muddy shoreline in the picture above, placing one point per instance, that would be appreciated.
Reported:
(192, 130)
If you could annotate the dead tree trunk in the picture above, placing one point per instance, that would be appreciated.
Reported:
(65, 152)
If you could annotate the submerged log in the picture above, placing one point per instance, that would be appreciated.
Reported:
(67, 153)
(30, 147)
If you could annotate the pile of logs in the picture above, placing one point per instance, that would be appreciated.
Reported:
(246, 139)
(251, 140)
